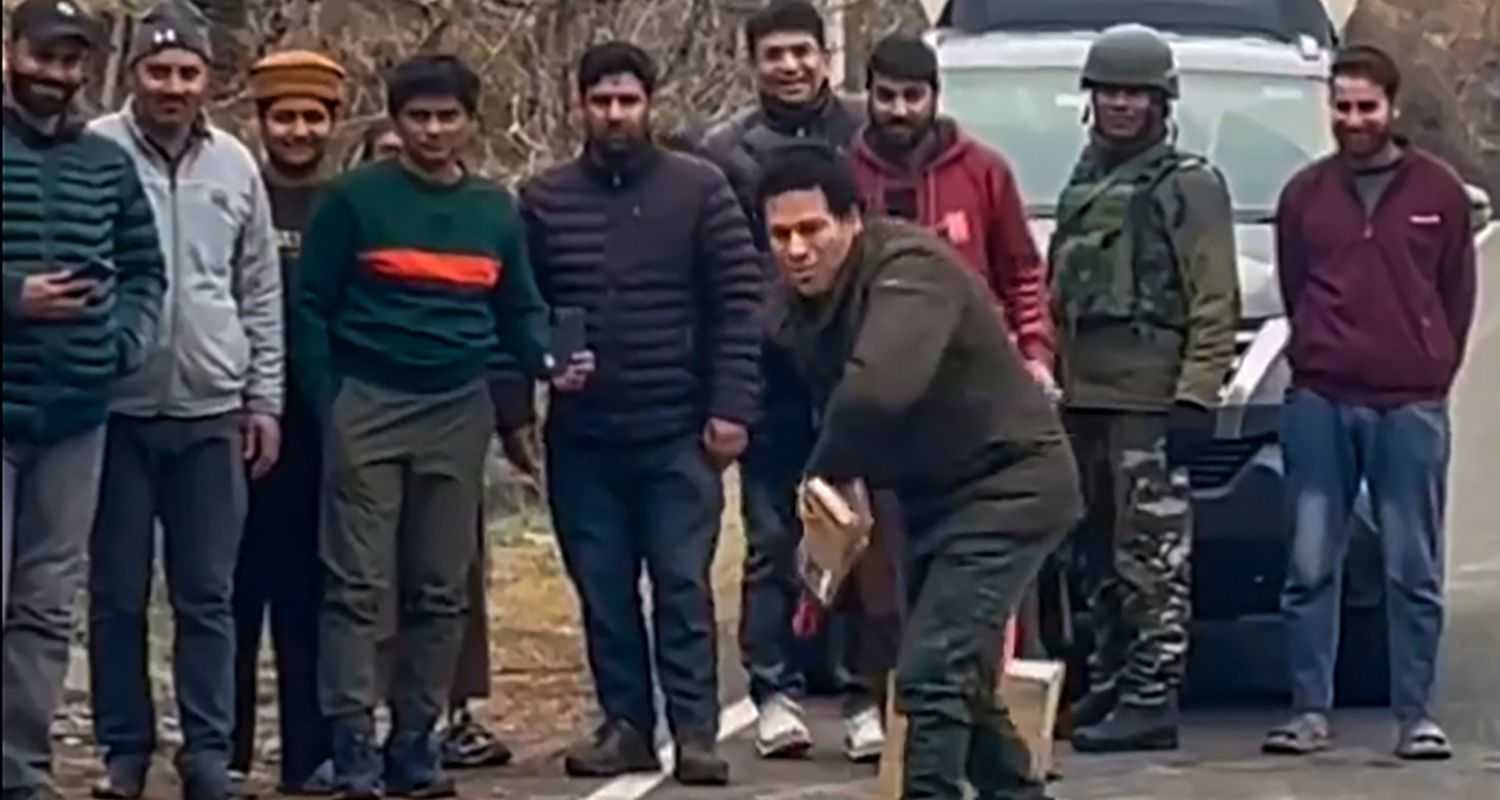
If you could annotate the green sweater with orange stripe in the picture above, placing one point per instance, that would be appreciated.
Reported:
(412, 286)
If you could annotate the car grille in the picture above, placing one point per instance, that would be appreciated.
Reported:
(1223, 460)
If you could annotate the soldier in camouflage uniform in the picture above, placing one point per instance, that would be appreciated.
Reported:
(1146, 295)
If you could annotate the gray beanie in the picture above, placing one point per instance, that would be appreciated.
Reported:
(172, 24)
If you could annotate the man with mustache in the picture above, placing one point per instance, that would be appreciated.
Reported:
(1146, 295)
(788, 51)
(298, 95)
(913, 164)
(652, 250)
(1378, 274)
(83, 282)
(200, 418)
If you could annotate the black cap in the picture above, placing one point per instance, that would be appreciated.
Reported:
(49, 20)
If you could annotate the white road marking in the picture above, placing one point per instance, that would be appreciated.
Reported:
(1481, 568)
(732, 720)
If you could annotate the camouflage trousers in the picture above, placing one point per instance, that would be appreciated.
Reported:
(1135, 545)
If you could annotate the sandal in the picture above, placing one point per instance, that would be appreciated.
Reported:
(469, 745)
(1423, 741)
(1302, 736)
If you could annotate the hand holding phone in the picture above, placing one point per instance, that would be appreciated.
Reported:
(569, 334)
(94, 269)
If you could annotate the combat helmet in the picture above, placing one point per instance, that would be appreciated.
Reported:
(1131, 55)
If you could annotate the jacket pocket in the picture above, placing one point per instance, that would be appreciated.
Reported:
(214, 353)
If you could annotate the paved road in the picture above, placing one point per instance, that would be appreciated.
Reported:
(1220, 759)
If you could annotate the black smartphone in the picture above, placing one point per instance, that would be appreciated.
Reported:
(569, 334)
(95, 269)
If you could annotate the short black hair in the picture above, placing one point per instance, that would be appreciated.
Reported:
(429, 75)
(614, 58)
(905, 58)
(785, 16)
(1371, 63)
(806, 167)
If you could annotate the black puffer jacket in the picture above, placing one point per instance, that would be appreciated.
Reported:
(742, 146)
(657, 252)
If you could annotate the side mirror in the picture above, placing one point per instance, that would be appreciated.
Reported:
(1481, 210)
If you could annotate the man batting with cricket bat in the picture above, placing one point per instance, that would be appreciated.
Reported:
(921, 392)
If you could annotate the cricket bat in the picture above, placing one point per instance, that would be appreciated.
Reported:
(832, 502)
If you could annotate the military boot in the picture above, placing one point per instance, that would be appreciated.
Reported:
(1131, 728)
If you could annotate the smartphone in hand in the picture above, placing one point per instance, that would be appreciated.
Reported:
(95, 269)
(569, 334)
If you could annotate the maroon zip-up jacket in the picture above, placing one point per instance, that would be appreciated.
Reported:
(1380, 305)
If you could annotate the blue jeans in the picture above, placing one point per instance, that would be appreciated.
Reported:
(190, 475)
(1402, 454)
(618, 508)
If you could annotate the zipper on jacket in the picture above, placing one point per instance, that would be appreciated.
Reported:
(1371, 213)
(165, 388)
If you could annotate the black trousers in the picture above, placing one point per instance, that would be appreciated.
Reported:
(617, 508)
(958, 600)
(279, 571)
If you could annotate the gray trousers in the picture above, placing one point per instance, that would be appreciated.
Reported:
(403, 475)
(50, 493)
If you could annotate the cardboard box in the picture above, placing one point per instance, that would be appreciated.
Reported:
(1031, 690)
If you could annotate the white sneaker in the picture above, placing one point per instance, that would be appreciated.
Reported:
(864, 735)
(780, 731)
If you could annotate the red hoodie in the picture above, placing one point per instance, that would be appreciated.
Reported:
(968, 194)
(1380, 305)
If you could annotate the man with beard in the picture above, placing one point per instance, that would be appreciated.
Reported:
(788, 51)
(912, 164)
(83, 280)
(413, 273)
(184, 429)
(1146, 294)
(652, 250)
(923, 394)
(297, 96)
(1377, 269)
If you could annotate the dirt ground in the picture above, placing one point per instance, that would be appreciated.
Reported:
(542, 696)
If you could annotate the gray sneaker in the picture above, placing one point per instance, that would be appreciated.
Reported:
(1304, 735)
(1423, 740)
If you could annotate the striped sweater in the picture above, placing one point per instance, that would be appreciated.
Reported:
(70, 198)
(412, 286)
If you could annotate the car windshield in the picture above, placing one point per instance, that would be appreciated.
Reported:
(1256, 129)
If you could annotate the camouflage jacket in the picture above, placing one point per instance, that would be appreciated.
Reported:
(1145, 288)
